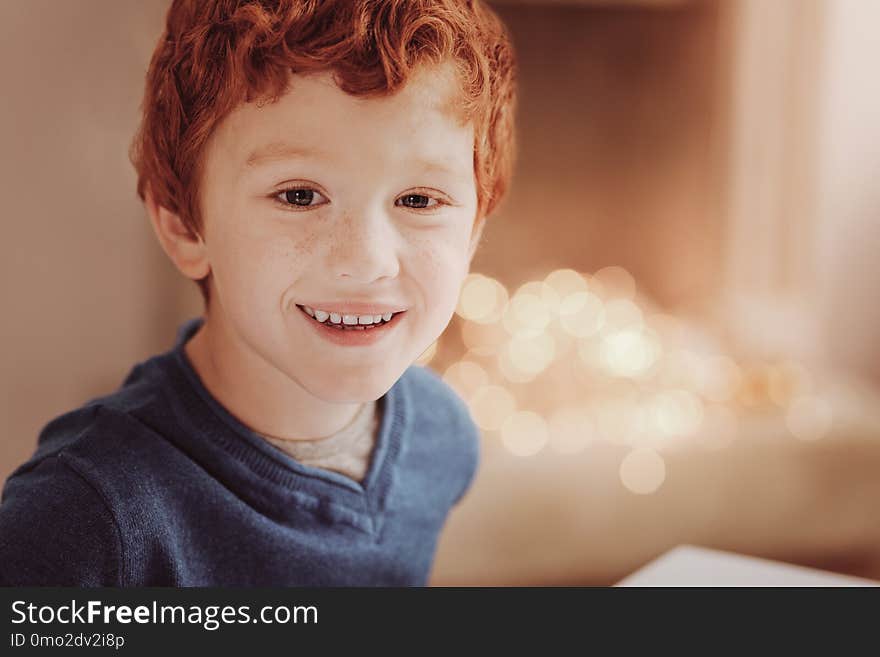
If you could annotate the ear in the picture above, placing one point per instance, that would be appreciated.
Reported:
(476, 233)
(186, 249)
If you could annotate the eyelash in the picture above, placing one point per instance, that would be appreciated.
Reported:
(301, 208)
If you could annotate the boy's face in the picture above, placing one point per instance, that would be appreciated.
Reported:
(355, 232)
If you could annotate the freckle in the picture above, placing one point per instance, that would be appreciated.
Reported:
(306, 246)
(428, 254)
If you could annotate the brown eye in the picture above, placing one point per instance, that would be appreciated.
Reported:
(417, 201)
(300, 197)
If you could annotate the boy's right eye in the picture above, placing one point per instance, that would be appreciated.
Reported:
(303, 197)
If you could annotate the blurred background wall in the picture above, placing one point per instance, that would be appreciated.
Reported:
(668, 335)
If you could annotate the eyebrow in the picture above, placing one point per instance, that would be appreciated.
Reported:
(278, 150)
(432, 166)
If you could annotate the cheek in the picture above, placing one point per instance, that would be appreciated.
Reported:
(257, 270)
(441, 267)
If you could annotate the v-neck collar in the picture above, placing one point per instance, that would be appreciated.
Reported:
(366, 499)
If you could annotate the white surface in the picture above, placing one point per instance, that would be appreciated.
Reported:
(689, 565)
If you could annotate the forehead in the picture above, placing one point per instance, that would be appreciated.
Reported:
(316, 118)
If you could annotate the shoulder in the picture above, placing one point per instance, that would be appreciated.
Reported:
(436, 405)
(56, 529)
(97, 440)
(108, 418)
(62, 511)
(433, 396)
(113, 439)
(442, 416)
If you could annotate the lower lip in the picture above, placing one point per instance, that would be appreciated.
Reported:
(353, 337)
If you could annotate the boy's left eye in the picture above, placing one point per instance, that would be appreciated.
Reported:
(417, 201)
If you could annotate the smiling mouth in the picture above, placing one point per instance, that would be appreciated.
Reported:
(340, 326)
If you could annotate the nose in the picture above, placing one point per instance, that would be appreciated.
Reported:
(363, 247)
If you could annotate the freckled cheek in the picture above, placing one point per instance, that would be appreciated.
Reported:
(259, 271)
(440, 270)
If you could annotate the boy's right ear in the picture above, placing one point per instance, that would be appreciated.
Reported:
(186, 249)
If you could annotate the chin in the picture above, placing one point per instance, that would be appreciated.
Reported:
(353, 389)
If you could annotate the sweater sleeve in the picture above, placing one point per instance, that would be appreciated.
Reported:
(56, 530)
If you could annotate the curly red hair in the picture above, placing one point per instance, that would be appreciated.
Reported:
(216, 54)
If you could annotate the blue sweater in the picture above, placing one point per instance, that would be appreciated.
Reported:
(157, 484)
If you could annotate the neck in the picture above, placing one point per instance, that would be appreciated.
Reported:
(258, 394)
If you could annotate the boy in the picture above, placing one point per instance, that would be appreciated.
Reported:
(323, 171)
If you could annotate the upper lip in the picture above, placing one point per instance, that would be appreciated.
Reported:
(355, 307)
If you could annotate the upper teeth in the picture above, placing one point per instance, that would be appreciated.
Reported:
(338, 318)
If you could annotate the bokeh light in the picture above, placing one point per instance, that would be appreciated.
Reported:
(483, 339)
(549, 296)
(581, 314)
(753, 390)
(786, 381)
(526, 315)
(524, 433)
(466, 377)
(490, 406)
(717, 378)
(563, 282)
(629, 353)
(642, 471)
(622, 314)
(509, 371)
(642, 379)
(809, 418)
(616, 282)
(482, 299)
(531, 355)
(677, 412)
